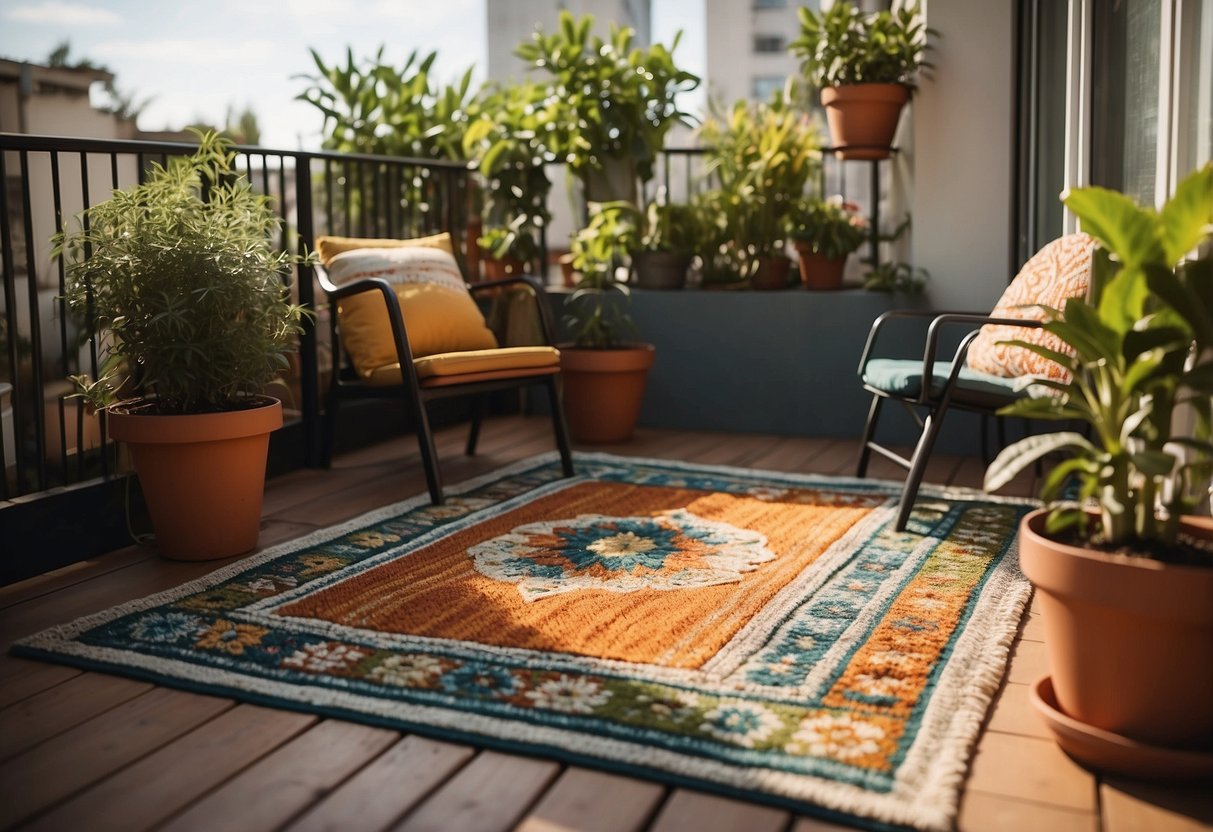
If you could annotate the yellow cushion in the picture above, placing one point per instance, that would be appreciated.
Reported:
(1059, 271)
(439, 314)
(329, 247)
(472, 361)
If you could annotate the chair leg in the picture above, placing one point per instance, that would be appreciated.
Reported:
(429, 456)
(328, 432)
(869, 430)
(474, 431)
(559, 426)
(918, 464)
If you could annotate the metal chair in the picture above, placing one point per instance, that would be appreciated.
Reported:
(419, 388)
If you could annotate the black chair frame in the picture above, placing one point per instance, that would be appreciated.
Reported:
(936, 402)
(346, 385)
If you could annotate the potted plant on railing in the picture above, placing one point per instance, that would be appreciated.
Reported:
(616, 103)
(763, 157)
(825, 232)
(604, 372)
(178, 280)
(865, 66)
(1125, 572)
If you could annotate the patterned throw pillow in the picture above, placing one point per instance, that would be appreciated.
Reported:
(1059, 271)
(439, 314)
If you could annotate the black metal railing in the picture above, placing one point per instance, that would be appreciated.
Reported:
(48, 440)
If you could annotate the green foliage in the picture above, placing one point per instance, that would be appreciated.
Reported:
(671, 227)
(1142, 348)
(608, 98)
(842, 45)
(510, 241)
(829, 227)
(178, 278)
(596, 312)
(763, 158)
(896, 278)
(375, 107)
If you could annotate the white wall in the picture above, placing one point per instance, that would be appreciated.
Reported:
(962, 154)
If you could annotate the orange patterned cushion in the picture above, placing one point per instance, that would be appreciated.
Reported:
(1059, 271)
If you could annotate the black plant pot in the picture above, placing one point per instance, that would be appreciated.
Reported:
(660, 269)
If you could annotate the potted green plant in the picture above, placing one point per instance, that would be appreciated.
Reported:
(825, 232)
(178, 280)
(669, 237)
(1123, 569)
(864, 65)
(616, 102)
(763, 157)
(512, 250)
(604, 371)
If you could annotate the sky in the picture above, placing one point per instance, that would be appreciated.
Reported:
(194, 60)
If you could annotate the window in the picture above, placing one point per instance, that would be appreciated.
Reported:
(764, 86)
(769, 43)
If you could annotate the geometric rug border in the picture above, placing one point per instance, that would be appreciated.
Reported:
(991, 625)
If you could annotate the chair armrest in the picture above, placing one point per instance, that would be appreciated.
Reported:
(546, 325)
(370, 284)
(962, 351)
(878, 325)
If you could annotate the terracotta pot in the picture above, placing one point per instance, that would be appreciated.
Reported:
(819, 272)
(1129, 640)
(567, 273)
(603, 390)
(203, 476)
(864, 117)
(496, 269)
(772, 273)
(660, 269)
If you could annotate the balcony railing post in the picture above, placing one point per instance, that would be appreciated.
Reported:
(308, 364)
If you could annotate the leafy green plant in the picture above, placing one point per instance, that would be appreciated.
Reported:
(763, 158)
(596, 313)
(613, 99)
(178, 278)
(671, 227)
(842, 45)
(894, 277)
(829, 227)
(1141, 350)
(515, 241)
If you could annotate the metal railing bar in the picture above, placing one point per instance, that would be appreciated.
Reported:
(35, 324)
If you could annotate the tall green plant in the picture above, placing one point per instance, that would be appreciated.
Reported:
(179, 279)
(1143, 348)
(842, 45)
(596, 313)
(615, 100)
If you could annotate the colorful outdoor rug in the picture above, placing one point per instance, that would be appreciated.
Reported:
(759, 634)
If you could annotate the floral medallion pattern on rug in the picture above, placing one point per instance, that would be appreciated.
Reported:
(674, 550)
(856, 690)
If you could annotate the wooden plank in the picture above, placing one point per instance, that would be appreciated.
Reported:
(1136, 806)
(489, 794)
(815, 825)
(1032, 769)
(381, 793)
(593, 801)
(981, 812)
(1013, 713)
(22, 678)
(162, 783)
(64, 706)
(280, 786)
(39, 778)
(1028, 662)
(71, 575)
(689, 811)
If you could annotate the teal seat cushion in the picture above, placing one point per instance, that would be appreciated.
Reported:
(903, 377)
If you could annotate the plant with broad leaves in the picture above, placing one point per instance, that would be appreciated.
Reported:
(596, 312)
(178, 279)
(830, 227)
(843, 45)
(1142, 350)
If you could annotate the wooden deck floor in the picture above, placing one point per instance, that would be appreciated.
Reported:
(90, 751)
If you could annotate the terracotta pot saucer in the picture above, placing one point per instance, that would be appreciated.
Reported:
(1113, 753)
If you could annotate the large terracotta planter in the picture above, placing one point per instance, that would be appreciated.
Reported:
(863, 118)
(819, 272)
(772, 273)
(603, 390)
(1129, 640)
(660, 269)
(203, 476)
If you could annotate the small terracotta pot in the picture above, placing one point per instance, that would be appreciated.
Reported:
(1129, 640)
(819, 272)
(772, 273)
(863, 118)
(603, 390)
(498, 268)
(203, 476)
